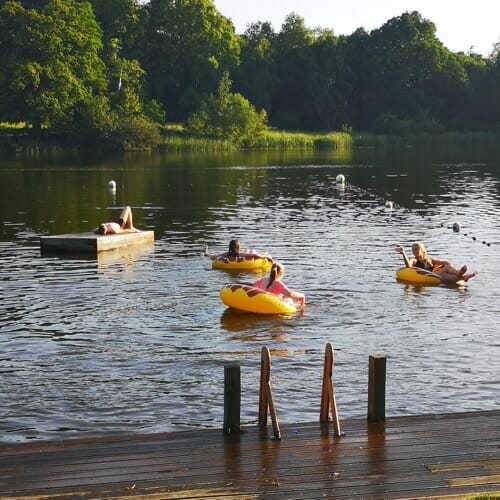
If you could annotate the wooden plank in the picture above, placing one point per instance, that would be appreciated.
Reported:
(491, 465)
(372, 460)
(474, 481)
(93, 243)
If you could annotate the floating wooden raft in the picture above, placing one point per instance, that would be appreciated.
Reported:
(92, 243)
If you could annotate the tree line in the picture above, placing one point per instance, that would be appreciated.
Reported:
(113, 71)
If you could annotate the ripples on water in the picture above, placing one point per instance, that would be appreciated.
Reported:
(137, 340)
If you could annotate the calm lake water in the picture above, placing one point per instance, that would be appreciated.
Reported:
(136, 341)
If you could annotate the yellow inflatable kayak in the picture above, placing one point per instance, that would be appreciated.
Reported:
(250, 299)
(417, 275)
(248, 262)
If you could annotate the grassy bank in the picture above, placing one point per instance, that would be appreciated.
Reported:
(175, 140)
(445, 138)
(17, 138)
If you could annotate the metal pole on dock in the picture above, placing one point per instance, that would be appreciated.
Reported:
(232, 398)
(376, 387)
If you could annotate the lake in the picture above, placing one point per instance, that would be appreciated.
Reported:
(137, 340)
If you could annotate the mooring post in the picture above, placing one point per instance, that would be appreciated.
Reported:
(328, 401)
(232, 398)
(376, 388)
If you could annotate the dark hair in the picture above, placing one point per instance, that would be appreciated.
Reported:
(275, 269)
(234, 248)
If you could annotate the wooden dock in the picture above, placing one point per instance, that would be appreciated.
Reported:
(93, 243)
(405, 457)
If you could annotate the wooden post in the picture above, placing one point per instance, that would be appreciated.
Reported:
(328, 401)
(232, 399)
(376, 388)
(266, 403)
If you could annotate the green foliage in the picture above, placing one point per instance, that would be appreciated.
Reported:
(388, 123)
(186, 47)
(255, 77)
(174, 143)
(132, 60)
(298, 140)
(155, 112)
(227, 116)
(50, 61)
(98, 125)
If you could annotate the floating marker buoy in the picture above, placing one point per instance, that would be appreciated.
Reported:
(111, 185)
(340, 179)
(389, 204)
(456, 227)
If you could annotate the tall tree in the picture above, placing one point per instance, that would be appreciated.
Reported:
(227, 116)
(255, 77)
(50, 60)
(412, 73)
(187, 47)
(121, 20)
(291, 48)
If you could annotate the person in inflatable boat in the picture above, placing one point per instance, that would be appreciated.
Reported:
(441, 267)
(123, 225)
(274, 285)
(234, 254)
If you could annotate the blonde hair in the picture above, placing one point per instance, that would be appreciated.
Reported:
(423, 252)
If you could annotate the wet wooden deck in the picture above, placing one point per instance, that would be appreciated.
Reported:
(92, 243)
(424, 456)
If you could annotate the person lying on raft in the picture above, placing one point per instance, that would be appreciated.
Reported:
(273, 284)
(123, 225)
(443, 268)
(235, 255)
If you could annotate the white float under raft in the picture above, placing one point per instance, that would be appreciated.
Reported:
(93, 243)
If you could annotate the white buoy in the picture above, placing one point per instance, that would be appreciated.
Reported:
(112, 185)
(456, 227)
(389, 204)
(340, 179)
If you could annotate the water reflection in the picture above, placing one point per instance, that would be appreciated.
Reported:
(137, 340)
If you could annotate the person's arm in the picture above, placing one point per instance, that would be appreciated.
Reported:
(408, 262)
(285, 291)
(256, 255)
(300, 297)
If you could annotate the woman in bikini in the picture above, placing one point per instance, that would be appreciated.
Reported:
(442, 267)
(123, 225)
(273, 284)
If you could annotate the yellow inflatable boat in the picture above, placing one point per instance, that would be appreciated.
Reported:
(248, 262)
(418, 276)
(250, 299)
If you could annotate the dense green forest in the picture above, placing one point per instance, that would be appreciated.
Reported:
(114, 71)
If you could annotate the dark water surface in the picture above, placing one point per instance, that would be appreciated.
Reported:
(136, 341)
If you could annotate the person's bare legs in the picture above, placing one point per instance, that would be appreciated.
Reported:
(467, 277)
(126, 216)
(453, 277)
